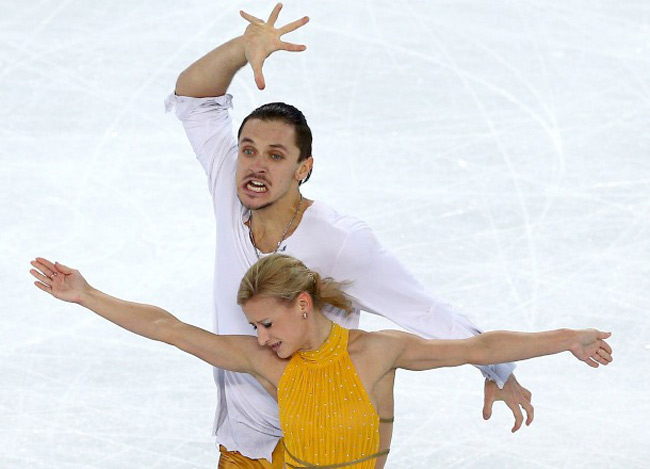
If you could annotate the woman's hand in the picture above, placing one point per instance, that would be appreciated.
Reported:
(59, 281)
(261, 39)
(591, 348)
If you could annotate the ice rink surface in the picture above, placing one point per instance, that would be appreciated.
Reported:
(500, 149)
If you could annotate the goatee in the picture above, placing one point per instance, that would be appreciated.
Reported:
(262, 207)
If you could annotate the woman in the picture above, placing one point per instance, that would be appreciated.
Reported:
(331, 384)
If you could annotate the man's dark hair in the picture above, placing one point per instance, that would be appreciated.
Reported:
(289, 115)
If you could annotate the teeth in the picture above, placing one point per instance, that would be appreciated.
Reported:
(256, 186)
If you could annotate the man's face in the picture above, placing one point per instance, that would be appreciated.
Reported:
(267, 163)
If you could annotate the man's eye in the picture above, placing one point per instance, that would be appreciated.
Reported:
(247, 151)
(254, 326)
(276, 156)
(267, 325)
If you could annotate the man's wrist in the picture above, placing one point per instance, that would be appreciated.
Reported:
(498, 373)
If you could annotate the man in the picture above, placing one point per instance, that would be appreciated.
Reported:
(254, 182)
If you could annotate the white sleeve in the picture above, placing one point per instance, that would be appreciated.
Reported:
(208, 126)
(381, 285)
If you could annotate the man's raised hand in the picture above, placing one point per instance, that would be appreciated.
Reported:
(263, 38)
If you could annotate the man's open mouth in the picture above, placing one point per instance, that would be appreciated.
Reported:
(256, 186)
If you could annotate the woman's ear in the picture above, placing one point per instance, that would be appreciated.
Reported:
(305, 302)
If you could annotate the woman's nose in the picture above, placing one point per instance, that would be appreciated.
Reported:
(262, 336)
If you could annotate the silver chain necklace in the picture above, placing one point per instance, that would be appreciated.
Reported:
(258, 253)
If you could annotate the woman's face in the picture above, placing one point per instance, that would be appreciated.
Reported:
(278, 324)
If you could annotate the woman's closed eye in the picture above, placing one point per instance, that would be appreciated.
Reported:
(266, 325)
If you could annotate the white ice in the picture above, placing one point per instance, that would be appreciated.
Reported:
(501, 149)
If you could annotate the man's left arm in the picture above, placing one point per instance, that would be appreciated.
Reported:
(381, 285)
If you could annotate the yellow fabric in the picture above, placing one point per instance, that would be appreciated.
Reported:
(235, 460)
(325, 413)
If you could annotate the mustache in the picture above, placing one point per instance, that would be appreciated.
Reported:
(259, 177)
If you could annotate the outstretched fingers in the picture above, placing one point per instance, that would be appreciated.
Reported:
(45, 288)
(287, 28)
(42, 279)
(250, 18)
(603, 354)
(604, 345)
(273, 17)
(257, 72)
(45, 266)
(64, 269)
(48, 275)
(289, 46)
(44, 275)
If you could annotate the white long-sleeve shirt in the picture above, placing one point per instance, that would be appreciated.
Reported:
(335, 245)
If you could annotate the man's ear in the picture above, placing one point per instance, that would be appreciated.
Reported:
(304, 169)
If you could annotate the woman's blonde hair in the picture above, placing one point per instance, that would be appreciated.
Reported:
(284, 278)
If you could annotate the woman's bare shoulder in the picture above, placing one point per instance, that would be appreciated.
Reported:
(360, 340)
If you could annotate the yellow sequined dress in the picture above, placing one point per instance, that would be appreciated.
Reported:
(326, 415)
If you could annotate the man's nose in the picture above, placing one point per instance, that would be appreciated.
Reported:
(258, 165)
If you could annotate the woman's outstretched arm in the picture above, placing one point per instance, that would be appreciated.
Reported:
(414, 353)
(234, 353)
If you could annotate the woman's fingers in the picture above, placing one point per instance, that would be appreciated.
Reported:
(45, 288)
(64, 269)
(44, 270)
(603, 356)
(600, 360)
(46, 267)
(48, 274)
(40, 277)
(604, 344)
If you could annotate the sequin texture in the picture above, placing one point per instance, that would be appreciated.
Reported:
(325, 412)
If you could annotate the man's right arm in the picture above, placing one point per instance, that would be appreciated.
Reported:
(211, 74)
